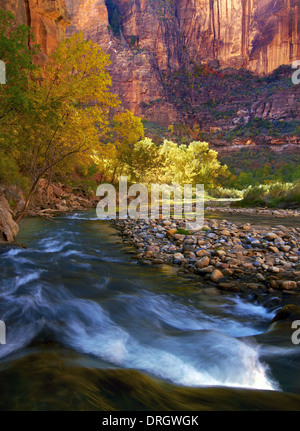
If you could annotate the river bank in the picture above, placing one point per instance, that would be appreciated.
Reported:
(49, 200)
(255, 260)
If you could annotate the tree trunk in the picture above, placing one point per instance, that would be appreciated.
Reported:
(21, 214)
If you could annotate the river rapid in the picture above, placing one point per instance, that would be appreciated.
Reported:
(88, 328)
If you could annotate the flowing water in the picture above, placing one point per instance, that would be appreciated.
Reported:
(89, 328)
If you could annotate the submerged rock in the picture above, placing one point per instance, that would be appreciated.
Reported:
(288, 312)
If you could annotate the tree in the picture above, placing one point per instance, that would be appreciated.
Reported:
(173, 164)
(18, 59)
(127, 129)
(145, 162)
(70, 101)
(115, 156)
(191, 164)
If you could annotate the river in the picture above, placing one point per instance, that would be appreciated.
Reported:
(87, 328)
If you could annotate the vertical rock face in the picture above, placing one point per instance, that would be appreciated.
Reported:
(153, 26)
(216, 29)
(256, 34)
(48, 19)
(90, 17)
(277, 37)
(18, 8)
(148, 39)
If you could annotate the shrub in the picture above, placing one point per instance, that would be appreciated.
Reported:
(184, 232)
(274, 195)
(9, 171)
(223, 193)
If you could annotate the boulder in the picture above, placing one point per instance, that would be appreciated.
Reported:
(216, 275)
(178, 256)
(288, 285)
(270, 236)
(58, 191)
(14, 196)
(171, 232)
(8, 227)
(203, 262)
(289, 312)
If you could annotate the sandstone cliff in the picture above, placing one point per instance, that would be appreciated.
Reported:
(259, 35)
(151, 40)
(47, 18)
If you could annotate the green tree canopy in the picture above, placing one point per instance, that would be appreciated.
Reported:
(18, 57)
